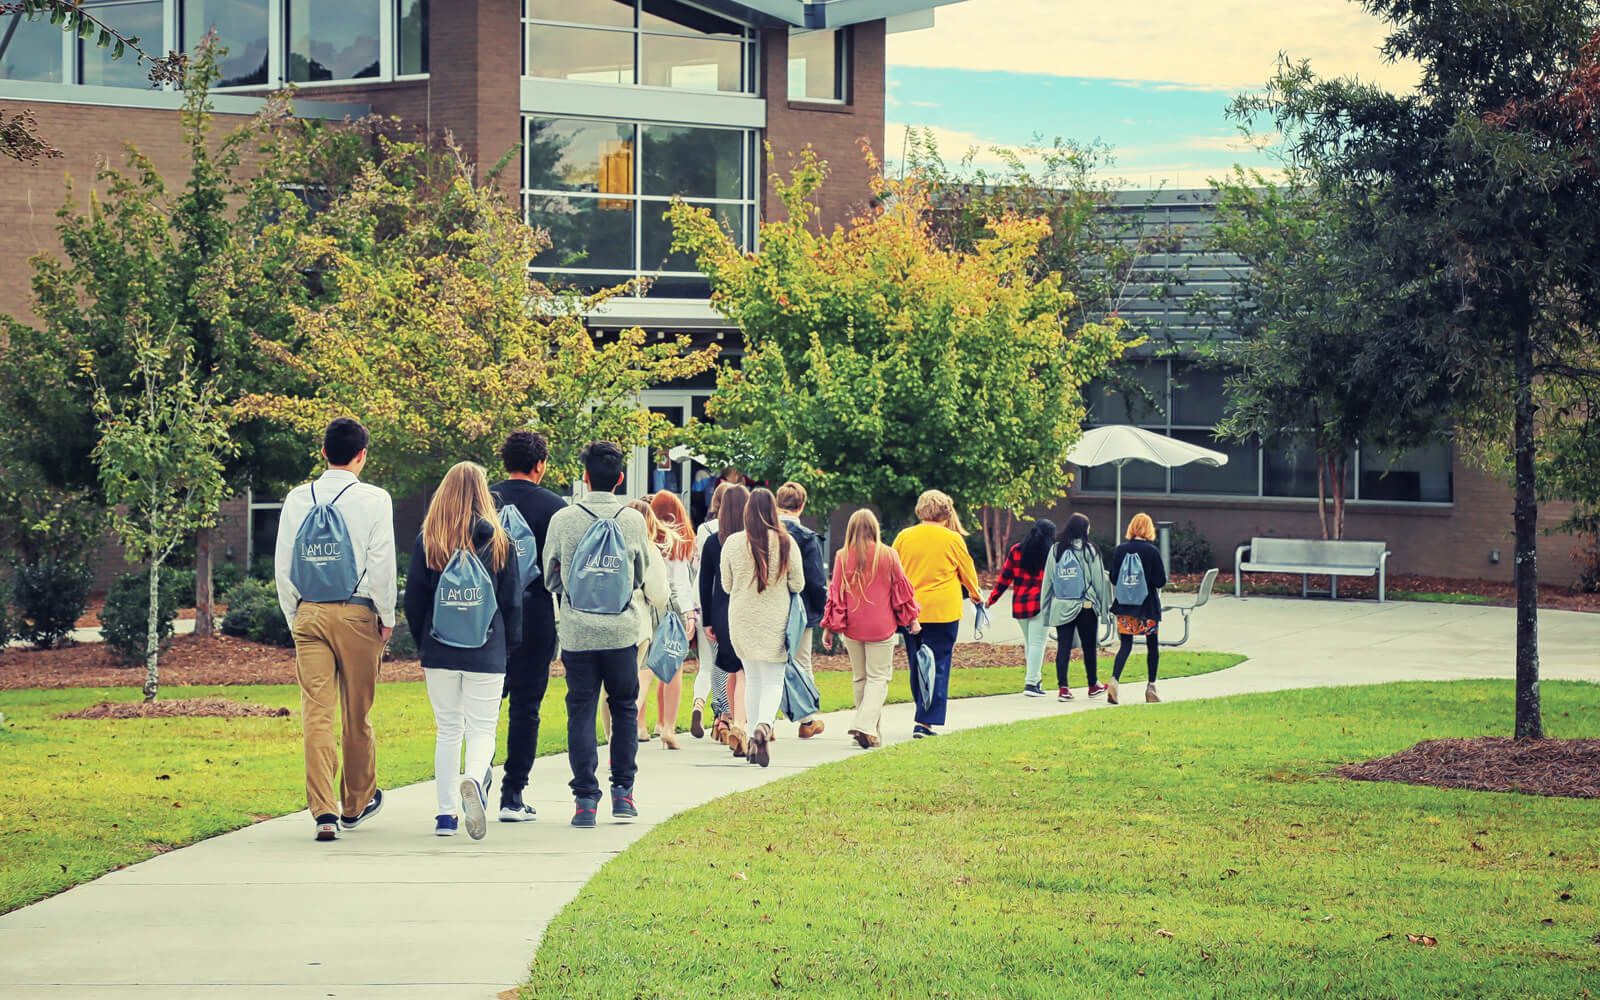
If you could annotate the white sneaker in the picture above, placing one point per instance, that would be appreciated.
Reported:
(474, 808)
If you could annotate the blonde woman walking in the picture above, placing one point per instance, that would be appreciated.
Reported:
(462, 636)
(934, 553)
(869, 597)
(1137, 576)
(760, 570)
(677, 548)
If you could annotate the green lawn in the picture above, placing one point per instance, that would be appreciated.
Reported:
(1439, 597)
(81, 798)
(1180, 850)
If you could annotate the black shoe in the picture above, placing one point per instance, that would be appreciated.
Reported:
(513, 809)
(584, 816)
(919, 731)
(622, 806)
(351, 822)
(327, 827)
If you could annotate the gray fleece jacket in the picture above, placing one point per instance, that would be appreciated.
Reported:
(581, 631)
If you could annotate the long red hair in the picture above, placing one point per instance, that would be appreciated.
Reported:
(669, 511)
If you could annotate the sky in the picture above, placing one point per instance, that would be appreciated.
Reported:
(1151, 78)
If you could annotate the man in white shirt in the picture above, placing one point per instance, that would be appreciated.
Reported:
(338, 644)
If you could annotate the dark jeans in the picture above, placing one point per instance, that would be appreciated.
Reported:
(617, 671)
(527, 679)
(940, 637)
(1087, 628)
(1152, 647)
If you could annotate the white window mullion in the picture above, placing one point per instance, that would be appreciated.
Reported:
(277, 43)
(69, 56)
(388, 54)
(170, 29)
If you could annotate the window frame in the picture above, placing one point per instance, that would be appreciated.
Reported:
(843, 50)
(1165, 425)
(748, 206)
(748, 40)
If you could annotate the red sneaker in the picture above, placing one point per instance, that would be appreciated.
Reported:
(1096, 690)
(1064, 695)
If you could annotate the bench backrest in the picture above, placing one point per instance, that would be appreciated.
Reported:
(1316, 551)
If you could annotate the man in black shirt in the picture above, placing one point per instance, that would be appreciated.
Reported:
(526, 456)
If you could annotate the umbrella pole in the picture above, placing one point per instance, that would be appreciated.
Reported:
(1116, 529)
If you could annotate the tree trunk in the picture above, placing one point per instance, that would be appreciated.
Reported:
(985, 522)
(205, 606)
(1529, 726)
(152, 647)
(1322, 492)
(1341, 465)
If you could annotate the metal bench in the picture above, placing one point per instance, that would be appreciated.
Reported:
(1331, 558)
(1201, 597)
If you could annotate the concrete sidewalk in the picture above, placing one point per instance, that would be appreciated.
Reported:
(391, 911)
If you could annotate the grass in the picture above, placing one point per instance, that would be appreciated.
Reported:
(1440, 597)
(83, 797)
(1179, 850)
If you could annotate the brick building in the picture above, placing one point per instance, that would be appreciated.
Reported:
(621, 105)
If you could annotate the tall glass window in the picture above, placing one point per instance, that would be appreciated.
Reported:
(141, 19)
(411, 34)
(1186, 402)
(600, 189)
(654, 43)
(242, 27)
(33, 51)
(332, 41)
(818, 61)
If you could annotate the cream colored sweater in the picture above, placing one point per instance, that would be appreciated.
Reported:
(758, 621)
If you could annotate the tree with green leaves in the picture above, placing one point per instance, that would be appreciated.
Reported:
(436, 338)
(160, 458)
(1307, 356)
(1484, 190)
(1099, 243)
(880, 361)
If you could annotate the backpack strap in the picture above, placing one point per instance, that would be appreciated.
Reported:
(597, 517)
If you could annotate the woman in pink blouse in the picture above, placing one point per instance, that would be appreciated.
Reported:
(868, 599)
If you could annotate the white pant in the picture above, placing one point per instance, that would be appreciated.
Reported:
(709, 682)
(466, 705)
(1034, 633)
(763, 691)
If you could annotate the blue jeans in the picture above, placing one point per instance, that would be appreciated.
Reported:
(940, 638)
(1034, 633)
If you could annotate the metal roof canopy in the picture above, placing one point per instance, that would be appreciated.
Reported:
(816, 14)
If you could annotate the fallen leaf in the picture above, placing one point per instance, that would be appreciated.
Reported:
(1548, 922)
(1229, 873)
(1386, 936)
(163, 777)
(1476, 846)
(1422, 939)
(740, 876)
(1564, 896)
(1163, 932)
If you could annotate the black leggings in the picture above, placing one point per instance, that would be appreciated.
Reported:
(1152, 646)
(1085, 626)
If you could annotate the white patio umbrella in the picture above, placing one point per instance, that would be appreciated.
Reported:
(1119, 444)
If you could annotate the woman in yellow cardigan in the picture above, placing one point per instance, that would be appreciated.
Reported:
(936, 560)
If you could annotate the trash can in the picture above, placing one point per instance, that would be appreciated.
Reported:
(1164, 543)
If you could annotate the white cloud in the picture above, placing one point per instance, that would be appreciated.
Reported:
(1222, 45)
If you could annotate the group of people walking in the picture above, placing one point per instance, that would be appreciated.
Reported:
(493, 563)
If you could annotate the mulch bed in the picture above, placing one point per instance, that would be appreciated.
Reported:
(192, 660)
(1566, 768)
(217, 708)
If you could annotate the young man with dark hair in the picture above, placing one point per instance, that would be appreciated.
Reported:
(526, 457)
(601, 650)
(791, 497)
(338, 643)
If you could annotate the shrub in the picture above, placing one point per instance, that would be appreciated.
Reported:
(224, 578)
(181, 583)
(262, 569)
(401, 645)
(253, 614)
(980, 558)
(1191, 552)
(49, 596)
(6, 634)
(125, 619)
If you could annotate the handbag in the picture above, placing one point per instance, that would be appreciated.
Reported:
(800, 696)
(927, 671)
(980, 620)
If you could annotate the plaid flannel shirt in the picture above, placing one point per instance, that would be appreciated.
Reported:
(1025, 587)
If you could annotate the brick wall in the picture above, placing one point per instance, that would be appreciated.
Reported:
(834, 130)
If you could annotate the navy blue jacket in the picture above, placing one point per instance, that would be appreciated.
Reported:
(505, 632)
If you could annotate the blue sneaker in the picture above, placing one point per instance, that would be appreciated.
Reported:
(474, 808)
(444, 826)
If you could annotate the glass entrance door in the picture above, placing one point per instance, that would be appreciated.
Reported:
(648, 473)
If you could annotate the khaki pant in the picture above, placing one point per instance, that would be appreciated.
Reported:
(871, 670)
(337, 649)
(802, 659)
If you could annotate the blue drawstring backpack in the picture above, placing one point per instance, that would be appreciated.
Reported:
(800, 695)
(524, 541)
(980, 620)
(1131, 586)
(324, 565)
(464, 603)
(1068, 582)
(602, 577)
(927, 671)
(668, 646)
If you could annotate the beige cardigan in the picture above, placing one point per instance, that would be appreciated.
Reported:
(758, 622)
